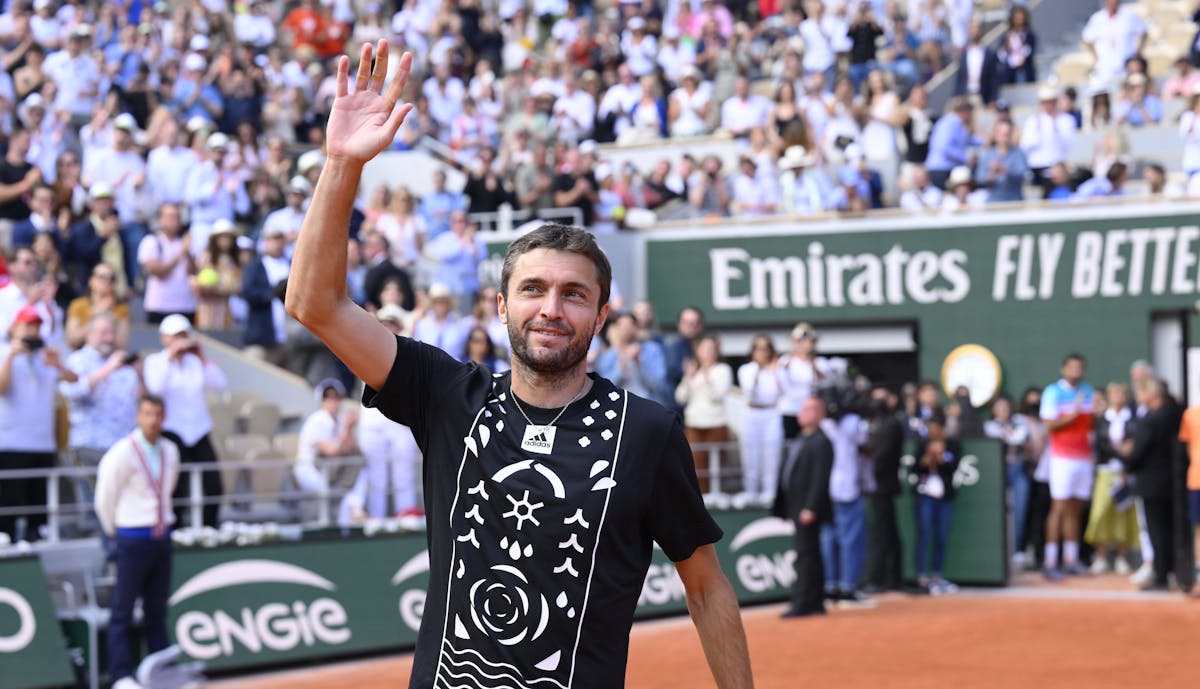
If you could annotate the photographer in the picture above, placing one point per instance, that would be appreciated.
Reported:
(103, 402)
(180, 373)
(29, 371)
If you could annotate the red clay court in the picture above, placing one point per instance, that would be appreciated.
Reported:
(1093, 633)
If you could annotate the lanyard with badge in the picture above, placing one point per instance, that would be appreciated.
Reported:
(156, 485)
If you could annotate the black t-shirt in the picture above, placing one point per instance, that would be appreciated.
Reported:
(15, 209)
(539, 540)
(566, 182)
(862, 36)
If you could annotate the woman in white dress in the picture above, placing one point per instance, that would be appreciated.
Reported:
(879, 136)
(1189, 130)
(761, 437)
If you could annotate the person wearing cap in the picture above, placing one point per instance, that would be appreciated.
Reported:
(48, 136)
(180, 373)
(1113, 34)
(951, 140)
(442, 326)
(848, 195)
(29, 285)
(1137, 106)
(121, 167)
(674, 55)
(1001, 168)
(287, 220)
(803, 374)
(76, 74)
(265, 333)
(136, 479)
(29, 374)
(960, 193)
(1046, 136)
(218, 277)
(638, 47)
(170, 163)
(101, 238)
(214, 190)
(327, 432)
(193, 94)
(393, 458)
(804, 189)
(44, 27)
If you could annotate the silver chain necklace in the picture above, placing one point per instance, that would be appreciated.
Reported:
(543, 427)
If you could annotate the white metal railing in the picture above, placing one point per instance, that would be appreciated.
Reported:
(506, 219)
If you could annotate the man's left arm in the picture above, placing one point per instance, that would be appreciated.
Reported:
(714, 609)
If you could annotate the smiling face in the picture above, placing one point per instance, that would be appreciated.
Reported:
(551, 310)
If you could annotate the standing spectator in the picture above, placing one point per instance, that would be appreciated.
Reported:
(803, 373)
(403, 227)
(1018, 49)
(120, 167)
(17, 178)
(937, 459)
(1112, 35)
(886, 442)
(1067, 410)
(380, 270)
(218, 278)
(26, 288)
(916, 126)
(1137, 106)
(679, 346)
(1002, 168)
(100, 299)
(170, 164)
(978, 69)
(1039, 492)
(389, 448)
(706, 381)
(744, 111)
(1149, 456)
(844, 541)
(818, 49)
(133, 493)
(286, 220)
(266, 319)
(180, 373)
(441, 326)
(327, 432)
(1112, 524)
(631, 363)
(102, 403)
(761, 436)
(1046, 137)
(1184, 82)
(29, 374)
(193, 94)
(1189, 130)
(100, 238)
(574, 186)
(951, 141)
(458, 254)
(76, 74)
(166, 258)
(687, 111)
(864, 33)
(803, 499)
(438, 204)
(41, 219)
(1012, 431)
(214, 191)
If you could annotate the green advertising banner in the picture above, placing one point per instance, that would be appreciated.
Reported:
(1031, 290)
(33, 653)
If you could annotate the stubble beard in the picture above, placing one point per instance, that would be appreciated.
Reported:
(553, 365)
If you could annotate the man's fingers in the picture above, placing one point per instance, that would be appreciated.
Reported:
(343, 76)
(396, 118)
(379, 74)
(364, 68)
(396, 88)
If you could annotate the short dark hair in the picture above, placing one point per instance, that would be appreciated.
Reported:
(563, 238)
(148, 398)
(1074, 356)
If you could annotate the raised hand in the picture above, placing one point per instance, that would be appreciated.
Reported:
(363, 123)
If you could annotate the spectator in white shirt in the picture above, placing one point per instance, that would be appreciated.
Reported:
(753, 194)
(255, 27)
(818, 51)
(744, 111)
(639, 47)
(214, 191)
(804, 189)
(180, 373)
(1046, 137)
(441, 326)
(170, 164)
(46, 29)
(761, 436)
(167, 263)
(1112, 35)
(287, 220)
(619, 99)
(327, 432)
(688, 109)
(121, 167)
(25, 287)
(445, 93)
(576, 106)
(920, 194)
(673, 55)
(76, 74)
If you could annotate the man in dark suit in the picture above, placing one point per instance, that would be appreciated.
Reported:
(265, 335)
(978, 69)
(1149, 457)
(380, 269)
(803, 499)
(887, 445)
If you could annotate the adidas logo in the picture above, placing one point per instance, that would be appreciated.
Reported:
(538, 439)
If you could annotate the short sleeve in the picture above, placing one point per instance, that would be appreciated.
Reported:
(1049, 408)
(420, 374)
(677, 518)
(149, 249)
(1185, 427)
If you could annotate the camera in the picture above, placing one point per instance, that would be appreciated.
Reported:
(131, 358)
(33, 343)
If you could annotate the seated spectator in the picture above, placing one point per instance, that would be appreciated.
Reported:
(710, 194)
(481, 350)
(42, 218)
(441, 326)
(754, 194)
(744, 111)
(951, 141)
(1137, 106)
(1183, 83)
(1110, 147)
(1046, 136)
(437, 205)
(852, 193)
(960, 192)
(100, 299)
(1101, 109)
(1157, 185)
(804, 188)
(689, 105)
(1109, 185)
(1189, 130)
(327, 432)
(1002, 168)
(702, 391)
(920, 194)
(1060, 183)
(486, 315)
(1068, 103)
(631, 363)
(50, 259)
(648, 119)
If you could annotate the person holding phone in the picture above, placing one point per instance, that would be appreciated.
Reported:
(937, 459)
(29, 372)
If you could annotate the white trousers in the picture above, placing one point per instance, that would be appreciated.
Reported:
(310, 478)
(761, 443)
(389, 447)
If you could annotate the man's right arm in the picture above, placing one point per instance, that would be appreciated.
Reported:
(360, 126)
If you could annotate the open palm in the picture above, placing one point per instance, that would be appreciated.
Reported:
(363, 123)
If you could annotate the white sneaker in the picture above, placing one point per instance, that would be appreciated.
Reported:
(126, 683)
(1143, 575)
(1019, 560)
(1121, 567)
(1100, 566)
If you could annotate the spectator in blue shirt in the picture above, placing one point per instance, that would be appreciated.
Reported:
(1060, 183)
(1109, 185)
(951, 141)
(1002, 168)
(193, 95)
(1138, 107)
(437, 206)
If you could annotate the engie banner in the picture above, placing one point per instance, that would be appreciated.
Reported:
(33, 652)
